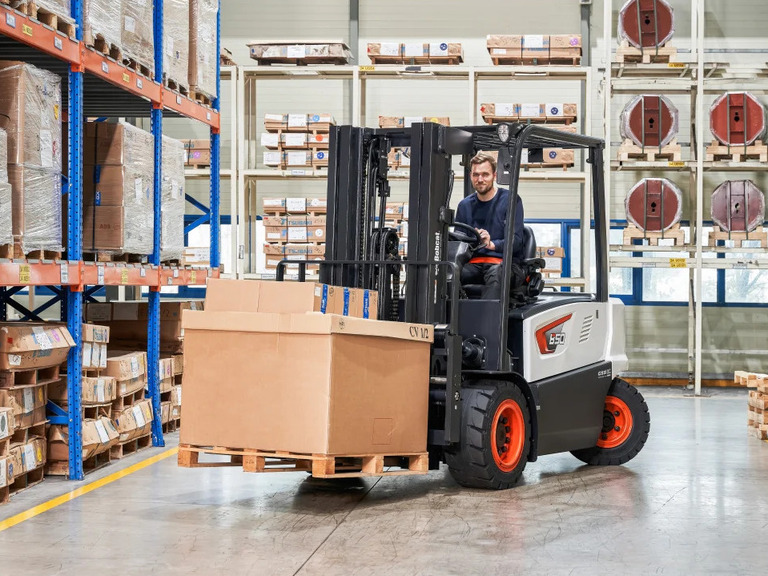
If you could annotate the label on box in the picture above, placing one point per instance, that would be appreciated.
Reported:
(296, 204)
(103, 359)
(138, 187)
(168, 39)
(135, 367)
(29, 400)
(414, 50)
(273, 117)
(138, 415)
(102, 431)
(14, 359)
(504, 109)
(296, 158)
(389, 49)
(272, 158)
(30, 458)
(41, 338)
(297, 51)
(498, 51)
(3, 472)
(130, 24)
(46, 148)
(345, 310)
(323, 298)
(100, 390)
(554, 109)
(297, 120)
(87, 355)
(366, 304)
(533, 41)
(297, 234)
(438, 49)
(295, 140)
(529, 110)
(174, 189)
(409, 120)
(270, 140)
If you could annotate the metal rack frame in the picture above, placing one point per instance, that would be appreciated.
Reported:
(119, 91)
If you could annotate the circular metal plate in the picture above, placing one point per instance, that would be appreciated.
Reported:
(738, 206)
(650, 120)
(737, 118)
(654, 204)
(646, 23)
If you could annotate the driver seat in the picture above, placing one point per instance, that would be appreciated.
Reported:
(526, 280)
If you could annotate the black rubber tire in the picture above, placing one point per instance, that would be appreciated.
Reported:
(641, 427)
(471, 461)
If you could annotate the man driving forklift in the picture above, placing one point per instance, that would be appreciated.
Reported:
(485, 210)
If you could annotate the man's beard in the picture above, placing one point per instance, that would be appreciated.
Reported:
(484, 189)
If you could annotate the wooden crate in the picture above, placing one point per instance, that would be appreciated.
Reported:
(632, 233)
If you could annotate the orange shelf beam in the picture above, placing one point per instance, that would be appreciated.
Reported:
(31, 32)
(191, 109)
(174, 276)
(99, 65)
(38, 273)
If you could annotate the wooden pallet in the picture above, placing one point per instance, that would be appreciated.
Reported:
(27, 480)
(100, 44)
(24, 435)
(319, 465)
(757, 235)
(663, 54)
(632, 233)
(172, 84)
(543, 61)
(142, 68)
(758, 400)
(547, 165)
(200, 97)
(751, 380)
(305, 61)
(171, 426)
(29, 377)
(96, 462)
(130, 447)
(127, 401)
(629, 151)
(63, 24)
(416, 60)
(759, 432)
(14, 252)
(103, 256)
(717, 151)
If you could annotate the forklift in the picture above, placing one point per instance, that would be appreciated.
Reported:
(534, 372)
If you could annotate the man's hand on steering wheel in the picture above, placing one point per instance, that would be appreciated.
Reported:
(466, 233)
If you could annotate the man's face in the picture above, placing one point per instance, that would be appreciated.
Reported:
(483, 177)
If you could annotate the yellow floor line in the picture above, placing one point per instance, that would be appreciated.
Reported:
(69, 496)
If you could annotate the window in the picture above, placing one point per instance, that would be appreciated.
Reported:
(619, 279)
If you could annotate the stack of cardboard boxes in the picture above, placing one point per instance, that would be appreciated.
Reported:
(295, 141)
(98, 392)
(6, 191)
(534, 49)
(415, 52)
(203, 57)
(197, 153)
(300, 52)
(7, 427)
(30, 114)
(131, 412)
(176, 44)
(294, 229)
(30, 355)
(553, 258)
(174, 201)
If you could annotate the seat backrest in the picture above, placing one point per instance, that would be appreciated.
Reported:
(529, 243)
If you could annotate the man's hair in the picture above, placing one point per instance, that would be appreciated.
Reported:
(482, 157)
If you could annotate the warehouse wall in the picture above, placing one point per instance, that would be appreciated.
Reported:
(657, 336)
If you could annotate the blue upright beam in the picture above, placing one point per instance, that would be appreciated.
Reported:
(75, 252)
(153, 326)
(216, 158)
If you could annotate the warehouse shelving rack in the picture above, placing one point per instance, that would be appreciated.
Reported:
(250, 76)
(100, 86)
(698, 77)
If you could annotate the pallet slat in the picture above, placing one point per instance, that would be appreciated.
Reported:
(662, 54)
(757, 235)
(629, 151)
(632, 233)
(717, 151)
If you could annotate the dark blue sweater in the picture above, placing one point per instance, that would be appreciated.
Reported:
(476, 213)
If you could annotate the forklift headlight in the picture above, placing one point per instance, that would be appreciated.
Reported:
(502, 130)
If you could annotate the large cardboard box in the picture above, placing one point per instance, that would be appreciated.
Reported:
(30, 112)
(505, 45)
(28, 456)
(138, 33)
(176, 41)
(27, 346)
(36, 206)
(28, 404)
(224, 295)
(127, 366)
(95, 390)
(134, 421)
(535, 46)
(98, 435)
(565, 46)
(357, 386)
(8, 424)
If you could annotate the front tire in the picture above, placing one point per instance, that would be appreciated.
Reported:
(495, 437)
(626, 425)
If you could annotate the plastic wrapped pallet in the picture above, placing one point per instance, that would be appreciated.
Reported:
(118, 202)
(174, 204)
(36, 203)
(176, 41)
(138, 36)
(58, 7)
(30, 112)
(202, 46)
(3, 156)
(6, 219)
(103, 20)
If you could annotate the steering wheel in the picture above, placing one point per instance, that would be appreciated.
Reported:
(466, 233)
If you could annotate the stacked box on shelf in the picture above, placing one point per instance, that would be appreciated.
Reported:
(294, 229)
(174, 201)
(103, 24)
(302, 53)
(296, 140)
(757, 404)
(30, 356)
(30, 113)
(138, 35)
(7, 427)
(118, 180)
(131, 412)
(197, 153)
(534, 49)
(176, 44)
(408, 121)
(416, 52)
(203, 58)
(97, 392)
(553, 258)
(6, 192)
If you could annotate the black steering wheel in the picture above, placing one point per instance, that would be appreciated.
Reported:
(466, 233)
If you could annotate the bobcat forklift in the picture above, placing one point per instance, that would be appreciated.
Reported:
(532, 373)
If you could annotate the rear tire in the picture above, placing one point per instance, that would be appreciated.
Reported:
(626, 425)
(495, 437)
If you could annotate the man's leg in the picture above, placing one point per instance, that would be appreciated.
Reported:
(472, 274)
(492, 282)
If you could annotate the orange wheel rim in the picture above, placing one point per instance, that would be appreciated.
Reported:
(617, 423)
(508, 435)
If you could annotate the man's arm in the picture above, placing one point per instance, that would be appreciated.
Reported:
(461, 213)
(498, 244)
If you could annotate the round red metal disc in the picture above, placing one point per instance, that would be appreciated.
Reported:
(737, 118)
(738, 206)
(649, 120)
(654, 204)
(646, 23)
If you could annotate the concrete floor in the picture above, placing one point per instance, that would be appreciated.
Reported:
(695, 501)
